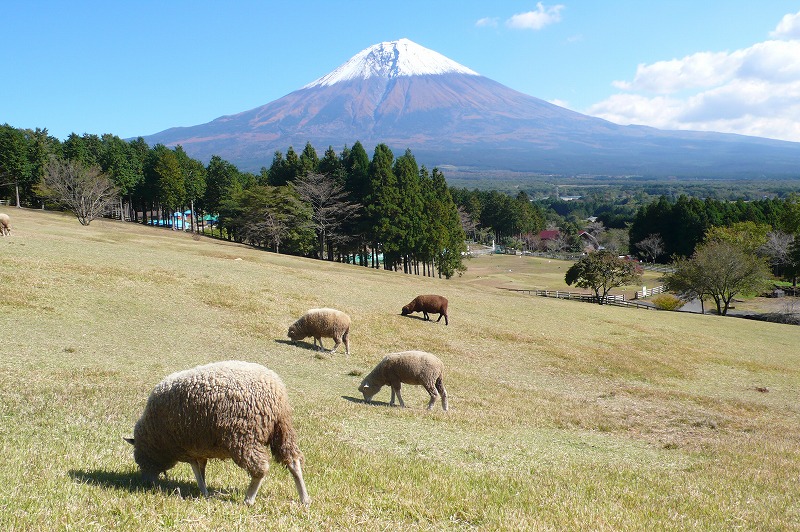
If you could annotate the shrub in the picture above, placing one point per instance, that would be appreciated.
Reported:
(667, 302)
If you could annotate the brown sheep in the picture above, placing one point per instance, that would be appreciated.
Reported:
(428, 303)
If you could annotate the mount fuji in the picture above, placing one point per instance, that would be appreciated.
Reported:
(407, 96)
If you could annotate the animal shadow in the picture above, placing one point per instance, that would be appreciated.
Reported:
(413, 317)
(299, 343)
(133, 482)
(362, 401)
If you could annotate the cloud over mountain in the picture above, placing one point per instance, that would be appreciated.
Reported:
(750, 91)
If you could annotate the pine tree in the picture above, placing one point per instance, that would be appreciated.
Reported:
(409, 222)
(309, 161)
(383, 207)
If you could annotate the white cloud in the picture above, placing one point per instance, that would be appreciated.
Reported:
(752, 91)
(490, 22)
(788, 27)
(536, 20)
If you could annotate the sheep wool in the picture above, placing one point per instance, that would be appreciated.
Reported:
(428, 303)
(407, 367)
(230, 409)
(5, 224)
(323, 322)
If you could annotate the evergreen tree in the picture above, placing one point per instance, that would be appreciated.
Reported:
(358, 185)
(450, 245)
(277, 174)
(332, 165)
(293, 167)
(221, 176)
(194, 178)
(309, 161)
(383, 207)
(408, 224)
(15, 167)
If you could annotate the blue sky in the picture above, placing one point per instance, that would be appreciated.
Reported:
(137, 68)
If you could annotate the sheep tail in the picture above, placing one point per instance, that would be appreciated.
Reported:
(284, 443)
(440, 387)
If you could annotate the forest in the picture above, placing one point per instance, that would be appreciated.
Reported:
(380, 212)
(389, 212)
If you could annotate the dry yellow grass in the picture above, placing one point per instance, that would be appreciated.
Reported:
(563, 415)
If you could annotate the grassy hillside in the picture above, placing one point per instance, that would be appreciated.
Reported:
(563, 415)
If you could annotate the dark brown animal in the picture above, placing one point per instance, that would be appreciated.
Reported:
(428, 303)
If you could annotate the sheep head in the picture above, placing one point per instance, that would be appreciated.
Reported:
(368, 390)
(294, 334)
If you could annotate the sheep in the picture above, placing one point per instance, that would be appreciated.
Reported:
(5, 224)
(428, 303)
(409, 367)
(230, 409)
(323, 322)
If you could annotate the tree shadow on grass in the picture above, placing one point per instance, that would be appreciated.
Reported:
(133, 483)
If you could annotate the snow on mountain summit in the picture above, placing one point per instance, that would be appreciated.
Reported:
(391, 60)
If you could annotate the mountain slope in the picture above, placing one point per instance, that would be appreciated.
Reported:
(407, 96)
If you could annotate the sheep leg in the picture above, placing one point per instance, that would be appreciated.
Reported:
(199, 468)
(440, 318)
(425, 315)
(252, 490)
(321, 347)
(442, 392)
(336, 343)
(346, 339)
(432, 392)
(396, 391)
(296, 470)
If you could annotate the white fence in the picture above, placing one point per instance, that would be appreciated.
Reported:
(647, 292)
(616, 300)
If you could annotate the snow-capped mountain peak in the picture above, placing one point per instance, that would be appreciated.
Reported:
(391, 60)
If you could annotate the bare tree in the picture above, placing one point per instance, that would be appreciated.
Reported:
(615, 240)
(468, 223)
(777, 249)
(596, 229)
(329, 206)
(558, 244)
(87, 192)
(652, 246)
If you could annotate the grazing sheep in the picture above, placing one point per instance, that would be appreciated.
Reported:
(231, 409)
(428, 303)
(409, 367)
(323, 322)
(5, 224)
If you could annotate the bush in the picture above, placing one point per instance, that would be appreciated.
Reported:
(667, 302)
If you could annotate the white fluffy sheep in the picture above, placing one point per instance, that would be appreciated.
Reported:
(323, 322)
(231, 409)
(5, 224)
(408, 367)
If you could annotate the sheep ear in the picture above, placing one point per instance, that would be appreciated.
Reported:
(129, 440)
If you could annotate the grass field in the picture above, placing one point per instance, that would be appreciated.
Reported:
(564, 415)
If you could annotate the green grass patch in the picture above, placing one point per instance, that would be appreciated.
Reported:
(563, 415)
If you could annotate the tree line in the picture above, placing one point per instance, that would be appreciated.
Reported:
(383, 211)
